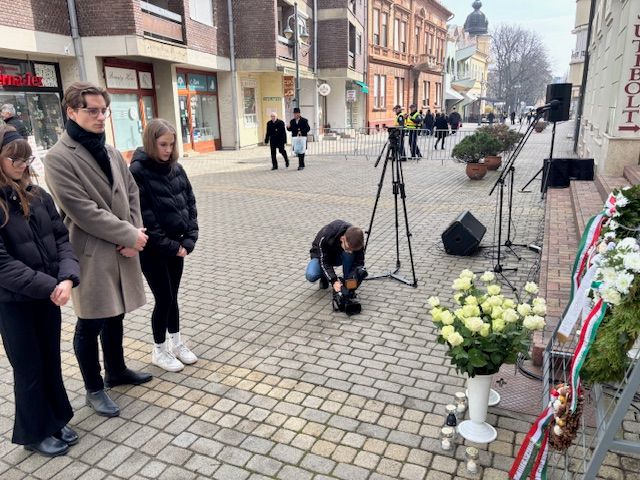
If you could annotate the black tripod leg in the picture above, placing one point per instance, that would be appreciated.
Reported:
(403, 196)
(532, 179)
(375, 206)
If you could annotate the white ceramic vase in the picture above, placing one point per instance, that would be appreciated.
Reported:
(476, 429)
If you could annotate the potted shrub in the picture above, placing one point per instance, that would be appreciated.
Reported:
(469, 151)
(540, 126)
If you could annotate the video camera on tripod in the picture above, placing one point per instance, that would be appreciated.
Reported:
(345, 300)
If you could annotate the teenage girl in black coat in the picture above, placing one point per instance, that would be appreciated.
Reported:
(169, 214)
(38, 269)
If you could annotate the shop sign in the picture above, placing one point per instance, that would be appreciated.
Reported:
(271, 99)
(324, 89)
(121, 78)
(26, 80)
(631, 90)
(197, 82)
(182, 81)
(351, 96)
(146, 80)
(288, 86)
(212, 84)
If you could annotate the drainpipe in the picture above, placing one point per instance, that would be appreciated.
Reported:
(75, 36)
(234, 77)
(316, 130)
(583, 87)
(443, 107)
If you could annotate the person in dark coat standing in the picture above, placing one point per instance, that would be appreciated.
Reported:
(276, 137)
(38, 269)
(100, 205)
(441, 129)
(299, 127)
(170, 216)
(429, 122)
(454, 120)
(8, 113)
(513, 118)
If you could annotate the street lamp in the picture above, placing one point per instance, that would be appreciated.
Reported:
(299, 33)
(483, 83)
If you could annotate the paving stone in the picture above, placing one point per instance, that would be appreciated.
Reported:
(265, 465)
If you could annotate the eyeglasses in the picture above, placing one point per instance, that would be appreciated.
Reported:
(94, 112)
(19, 162)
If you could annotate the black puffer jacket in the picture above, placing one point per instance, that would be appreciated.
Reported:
(167, 202)
(35, 253)
(327, 248)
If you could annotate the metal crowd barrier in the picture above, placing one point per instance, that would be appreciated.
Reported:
(368, 142)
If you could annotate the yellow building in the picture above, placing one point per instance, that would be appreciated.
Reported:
(576, 66)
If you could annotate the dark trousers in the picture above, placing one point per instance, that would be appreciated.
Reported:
(413, 143)
(85, 344)
(163, 275)
(440, 136)
(301, 159)
(283, 152)
(31, 337)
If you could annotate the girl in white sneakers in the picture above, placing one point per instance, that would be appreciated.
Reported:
(169, 214)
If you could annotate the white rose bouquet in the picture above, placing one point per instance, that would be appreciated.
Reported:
(486, 329)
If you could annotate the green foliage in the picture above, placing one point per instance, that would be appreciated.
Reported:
(505, 135)
(475, 147)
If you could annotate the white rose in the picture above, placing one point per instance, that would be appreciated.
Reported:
(531, 287)
(539, 309)
(524, 309)
(447, 317)
(467, 274)
(632, 261)
(532, 322)
(613, 225)
(471, 311)
(539, 301)
(621, 200)
(629, 242)
(623, 282)
(488, 277)
(455, 339)
(611, 296)
(493, 289)
(485, 330)
(434, 301)
(471, 300)
(508, 303)
(498, 325)
(608, 275)
(446, 331)
(436, 314)
(474, 324)
(457, 297)
(462, 284)
(510, 315)
(495, 301)
(497, 312)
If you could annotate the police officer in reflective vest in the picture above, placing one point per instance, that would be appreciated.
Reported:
(412, 123)
(399, 122)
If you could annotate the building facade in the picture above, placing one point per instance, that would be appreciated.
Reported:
(576, 65)
(406, 44)
(610, 126)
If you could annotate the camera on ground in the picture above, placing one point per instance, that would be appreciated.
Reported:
(345, 300)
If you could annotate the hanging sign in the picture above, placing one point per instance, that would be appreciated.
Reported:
(324, 89)
(288, 86)
(351, 96)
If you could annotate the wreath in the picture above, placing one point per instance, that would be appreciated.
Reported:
(565, 424)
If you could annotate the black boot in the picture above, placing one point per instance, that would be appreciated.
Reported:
(323, 284)
(127, 377)
(103, 405)
(49, 447)
(67, 435)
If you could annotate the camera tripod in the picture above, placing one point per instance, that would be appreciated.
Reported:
(391, 152)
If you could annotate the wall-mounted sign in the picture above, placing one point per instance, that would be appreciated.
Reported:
(197, 82)
(271, 99)
(351, 96)
(26, 80)
(630, 96)
(146, 80)
(125, 78)
(288, 86)
(324, 89)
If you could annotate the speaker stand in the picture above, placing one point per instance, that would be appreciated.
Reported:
(393, 147)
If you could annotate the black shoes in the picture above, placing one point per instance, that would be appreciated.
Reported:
(101, 403)
(67, 435)
(49, 447)
(286, 163)
(274, 168)
(301, 167)
(323, 284)
(127, 377)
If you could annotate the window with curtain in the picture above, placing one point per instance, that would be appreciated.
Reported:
(403, 37)
(398, 91)
(201, 11)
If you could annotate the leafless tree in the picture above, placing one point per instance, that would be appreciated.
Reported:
(521, 69)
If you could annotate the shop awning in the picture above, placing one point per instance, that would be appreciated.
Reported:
(453, 95)
(363, 86)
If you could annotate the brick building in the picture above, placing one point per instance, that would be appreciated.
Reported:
(407, 42)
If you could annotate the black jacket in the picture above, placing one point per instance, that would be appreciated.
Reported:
(301, 126)
(328, 249)
(442, 123)
(35, 253)
(429, 121)
(454, 120)
(16, 123)
(167, 203)
(276, 133)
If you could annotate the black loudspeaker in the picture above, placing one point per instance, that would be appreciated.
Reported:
(562, 93)
(561, 171)
(464, 235)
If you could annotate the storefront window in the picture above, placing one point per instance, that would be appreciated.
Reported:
(250, 117)
(204, 109)
(127, 125)
(198, 104)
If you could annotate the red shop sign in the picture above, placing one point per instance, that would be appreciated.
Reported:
(26, 80)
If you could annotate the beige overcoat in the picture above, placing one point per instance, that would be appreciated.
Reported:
(99, 217)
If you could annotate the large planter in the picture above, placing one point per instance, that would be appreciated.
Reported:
(476, 171)
(493, 162)
(477, 429)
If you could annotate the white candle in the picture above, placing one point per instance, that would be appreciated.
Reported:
(446, 444)
(472, 466)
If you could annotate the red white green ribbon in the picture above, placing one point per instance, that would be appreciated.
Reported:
(589, 238)
(540, 468)
(532, 457)
(587, 336)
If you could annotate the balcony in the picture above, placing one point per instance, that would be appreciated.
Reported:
(426, 63)
(161, 24)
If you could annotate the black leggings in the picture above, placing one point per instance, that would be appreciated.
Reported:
(163, 275)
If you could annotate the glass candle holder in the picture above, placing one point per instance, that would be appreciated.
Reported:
(461, 402)
(446, 438)
(452, 420)
(472, 455)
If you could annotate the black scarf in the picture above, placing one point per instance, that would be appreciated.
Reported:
(94, 143)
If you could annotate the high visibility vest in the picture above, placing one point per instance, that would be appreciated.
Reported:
(412, 121)
(398, 120)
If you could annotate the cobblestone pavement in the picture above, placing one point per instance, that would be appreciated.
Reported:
(285, 388)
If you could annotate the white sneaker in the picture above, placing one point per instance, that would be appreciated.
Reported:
(166, 360)
(182, 353)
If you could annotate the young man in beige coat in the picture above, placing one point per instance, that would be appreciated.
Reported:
(99, 202)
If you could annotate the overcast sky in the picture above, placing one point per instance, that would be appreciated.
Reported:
(552, 19)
